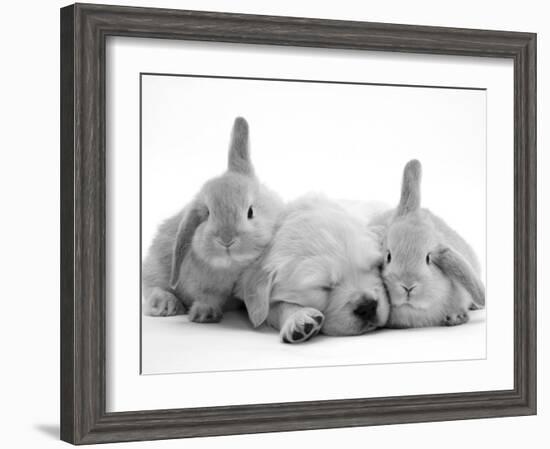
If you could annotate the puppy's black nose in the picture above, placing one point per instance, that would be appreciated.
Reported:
(366, 308)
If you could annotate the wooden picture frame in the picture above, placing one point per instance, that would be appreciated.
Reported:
(84, 29)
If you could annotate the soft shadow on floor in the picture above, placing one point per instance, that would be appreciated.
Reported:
(51, 430)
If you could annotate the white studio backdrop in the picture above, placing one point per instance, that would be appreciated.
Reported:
(127, 58)
(347, 141)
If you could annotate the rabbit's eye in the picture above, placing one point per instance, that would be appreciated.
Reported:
(388, 257)
(250, 213)
(428, 259)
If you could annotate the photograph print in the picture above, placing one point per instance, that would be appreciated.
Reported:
(289, 223)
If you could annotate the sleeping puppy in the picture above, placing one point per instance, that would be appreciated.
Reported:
(319, 274)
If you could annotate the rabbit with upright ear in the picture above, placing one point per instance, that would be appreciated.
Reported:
(432, 275)
(198, 254)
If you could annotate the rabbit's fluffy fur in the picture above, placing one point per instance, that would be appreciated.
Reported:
(319, 274)
(431, 273)
(198, 254)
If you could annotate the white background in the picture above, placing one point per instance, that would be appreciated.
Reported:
(343, 140)
(29, 177)
(346, 141)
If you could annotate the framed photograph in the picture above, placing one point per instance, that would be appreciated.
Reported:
(275, 223)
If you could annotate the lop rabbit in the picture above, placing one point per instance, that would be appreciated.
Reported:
(431, 273)
(198, 254)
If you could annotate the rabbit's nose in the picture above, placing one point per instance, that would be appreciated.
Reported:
(409, 288)
(227, 243)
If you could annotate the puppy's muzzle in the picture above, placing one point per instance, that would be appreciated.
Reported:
(366, 308)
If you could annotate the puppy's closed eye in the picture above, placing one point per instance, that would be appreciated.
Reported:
(329, 287)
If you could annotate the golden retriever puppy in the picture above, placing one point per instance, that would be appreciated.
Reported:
(321, 273)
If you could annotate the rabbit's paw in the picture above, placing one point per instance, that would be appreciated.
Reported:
(454, 319)
(302, 325)
(205, 313)
(163, 303)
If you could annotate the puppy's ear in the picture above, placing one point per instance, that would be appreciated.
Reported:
(192, 218)
(457, 268)
(410, 188)
(257, 285)
(239, 152)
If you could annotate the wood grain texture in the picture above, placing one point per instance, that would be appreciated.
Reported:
(67, 224)
(84, 29)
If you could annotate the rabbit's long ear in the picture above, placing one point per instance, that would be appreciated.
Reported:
(257, 285)
(191, 219)
(410, 188)
(239, 152)
(457, 268)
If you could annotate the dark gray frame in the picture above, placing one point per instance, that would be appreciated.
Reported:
(83, 32)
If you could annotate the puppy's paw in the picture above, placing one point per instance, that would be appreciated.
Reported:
(163, 303)
(205, 313)
(302, 325)
(454, 319)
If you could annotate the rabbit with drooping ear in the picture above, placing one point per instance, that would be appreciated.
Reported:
(431, 273)
(198, 254)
